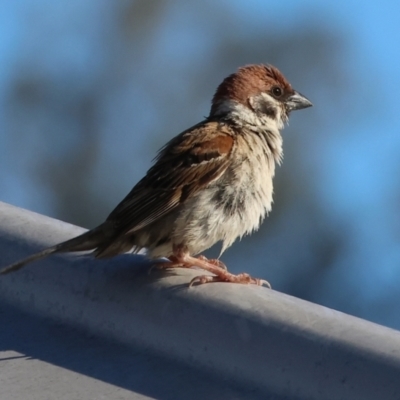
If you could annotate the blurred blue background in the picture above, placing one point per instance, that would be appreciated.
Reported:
(90, 89)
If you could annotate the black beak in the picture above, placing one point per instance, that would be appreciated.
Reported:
(297, 101)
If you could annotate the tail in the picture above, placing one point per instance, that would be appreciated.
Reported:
(88, 241)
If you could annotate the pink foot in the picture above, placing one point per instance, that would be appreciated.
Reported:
(243, 278)
(182, 259)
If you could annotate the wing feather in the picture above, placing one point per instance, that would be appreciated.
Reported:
(188, 163)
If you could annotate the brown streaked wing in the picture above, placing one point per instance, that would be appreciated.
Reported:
(189, 162)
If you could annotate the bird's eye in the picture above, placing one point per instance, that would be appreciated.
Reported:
(277, 91)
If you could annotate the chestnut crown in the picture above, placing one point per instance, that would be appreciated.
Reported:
(253, 80)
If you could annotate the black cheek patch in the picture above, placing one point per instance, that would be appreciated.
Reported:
(267, 109)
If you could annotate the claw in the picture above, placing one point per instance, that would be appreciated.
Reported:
(240, 278)
(262, 282)
(203, 279)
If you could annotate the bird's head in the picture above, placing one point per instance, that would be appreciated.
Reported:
(257, 95)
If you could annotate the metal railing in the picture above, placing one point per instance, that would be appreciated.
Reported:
(258, 337)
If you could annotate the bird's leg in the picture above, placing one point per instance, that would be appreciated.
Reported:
(220, 274)
(213, 261)
(172, 263)
(178, 262)
(182, 259)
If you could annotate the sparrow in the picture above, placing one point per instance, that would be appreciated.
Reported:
(211, 183)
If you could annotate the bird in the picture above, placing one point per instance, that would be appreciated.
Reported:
(211, 183)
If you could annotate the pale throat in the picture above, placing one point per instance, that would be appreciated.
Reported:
(268, 127)
(243, 115)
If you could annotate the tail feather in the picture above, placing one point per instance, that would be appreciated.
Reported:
(88, 241)
(21, 263)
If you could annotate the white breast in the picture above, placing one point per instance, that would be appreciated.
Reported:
(237, 203)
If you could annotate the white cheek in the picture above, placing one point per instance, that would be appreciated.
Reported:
(266, 98)
(244, 115)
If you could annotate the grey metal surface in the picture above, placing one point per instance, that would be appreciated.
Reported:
(258, 339)
(41, 359)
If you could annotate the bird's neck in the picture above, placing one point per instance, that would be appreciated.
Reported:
(247, 120)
